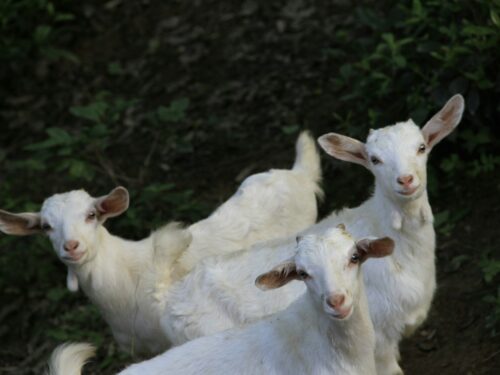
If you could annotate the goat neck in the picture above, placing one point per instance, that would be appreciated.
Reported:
(405, 215)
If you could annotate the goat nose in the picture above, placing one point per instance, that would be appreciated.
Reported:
(335, 301)
(71, 245)
(405, 180)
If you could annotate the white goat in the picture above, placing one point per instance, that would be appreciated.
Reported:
(128, 280)
(118, 275)
(268, 205)
(327, 331)
(400, 288)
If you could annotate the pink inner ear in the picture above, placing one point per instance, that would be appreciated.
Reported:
(362, 254)
(114, 203)
(375, 248)
(103, 206)
(107, 206)
(382, 247)
(359, 155)
(335, 140)
(431, 137)
(447, 116)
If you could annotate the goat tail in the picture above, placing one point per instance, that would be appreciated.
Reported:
(69, 358)
(307, 159)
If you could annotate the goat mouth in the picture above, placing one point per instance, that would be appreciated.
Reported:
(72, 258)
(408, 192)
(341, 314)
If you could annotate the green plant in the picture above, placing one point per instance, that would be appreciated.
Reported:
(79, 151)
(491, 270)
(33, 26)
(410, 55)
(345, 67)
(446, 220)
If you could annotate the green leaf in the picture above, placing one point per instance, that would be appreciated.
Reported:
(494, 17)
(389, 39)
(474, 30)
(290, 129)
(56, 137)
(175, 112)
(80, 169)
(115, 68)
(58, 334)
(59, 135)
(62, 17)
(98, 131)
(400, 61)
(417, 8)
(42, 33)
(490, 268)
(441, 217)
(57, 294)
(34, 165)
(345, 71)
(451, 163)
(93, 112)
(57, 53)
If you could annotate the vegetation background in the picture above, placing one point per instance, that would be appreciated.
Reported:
(180, 100)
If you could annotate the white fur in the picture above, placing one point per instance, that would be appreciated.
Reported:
(399, 288)
(306, 338)
(268, 205)
(68, 359)
(128, 280)
(124, 279)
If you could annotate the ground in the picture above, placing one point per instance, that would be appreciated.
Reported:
(254, 73)
(454, 339)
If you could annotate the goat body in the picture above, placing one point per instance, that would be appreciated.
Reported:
(312, 336)
(400, 288)
(128, 280)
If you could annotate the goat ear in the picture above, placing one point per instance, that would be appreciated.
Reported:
(113, 204)
(445, 121)
(280, 275)
(375, 248)
(22, 224)
(344, 148)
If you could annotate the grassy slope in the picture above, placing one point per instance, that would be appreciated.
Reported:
(254, 73)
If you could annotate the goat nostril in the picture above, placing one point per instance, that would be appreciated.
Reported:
(335, 301)
(71, 245)
(405, 180)
(340, 300)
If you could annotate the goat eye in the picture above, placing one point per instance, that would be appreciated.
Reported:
(46, 227)
(355, 258)
(421, 149)
(375, 160)
(91, 215)
(302, 275)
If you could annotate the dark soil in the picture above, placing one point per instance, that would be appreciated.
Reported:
(250, 69)
(455, 340)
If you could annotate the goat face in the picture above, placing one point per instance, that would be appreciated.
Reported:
(70, 220)
(397, 154)
(329, 266)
